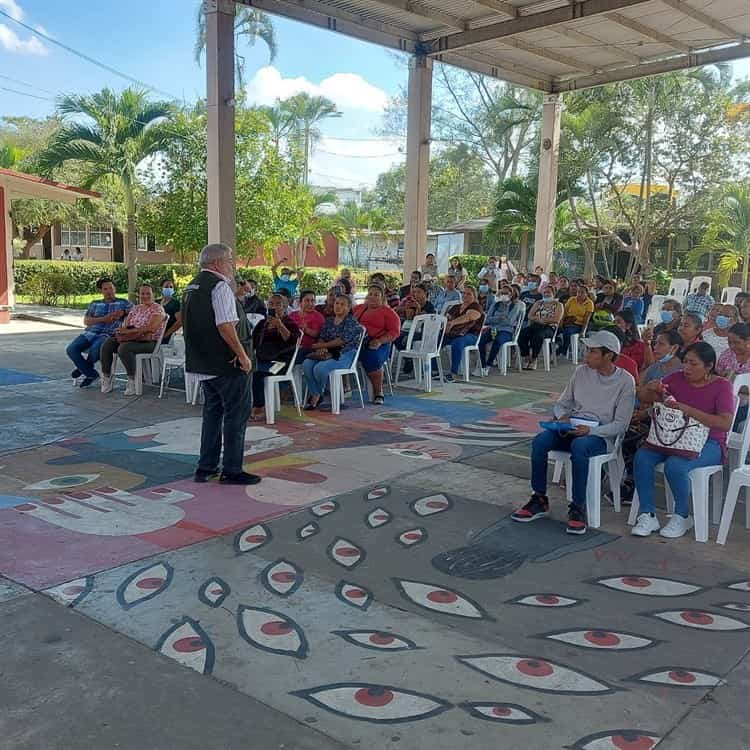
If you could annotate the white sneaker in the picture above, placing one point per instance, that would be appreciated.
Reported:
(107, 383)
(478, 372)
(677, 526)
(485, 372)
(130, 388)
(645, 524)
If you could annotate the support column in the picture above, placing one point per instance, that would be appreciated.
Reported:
(544, 236)
(417, 161)
(220, 116)
(6, 257)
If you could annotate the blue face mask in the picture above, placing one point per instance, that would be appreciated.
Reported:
(285, 277)
(723, 322)
(167, 292)
(484, 288)
(532, 285)
(667, 316)
(665, 358)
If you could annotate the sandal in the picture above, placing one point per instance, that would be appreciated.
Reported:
(378, 400)
(310, 406)
(257, 417)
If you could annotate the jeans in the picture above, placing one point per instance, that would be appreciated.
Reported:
(502, 337)
(79, 345)
(225, 413)
(532, 337)
(581, 449)
(317, 371)
(676, 469)
(457, 345)
(567, 332)
(126, 352)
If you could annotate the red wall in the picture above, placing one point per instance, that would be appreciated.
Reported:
(4, 280)
(312, 259)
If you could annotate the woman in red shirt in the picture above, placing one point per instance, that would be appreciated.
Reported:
(632, 345)
(383, 327)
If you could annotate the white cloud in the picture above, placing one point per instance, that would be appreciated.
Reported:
(348, 90)
(10, 41)
(353, 163)
(12, 8)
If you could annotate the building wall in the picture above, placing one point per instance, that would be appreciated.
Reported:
(329, 260)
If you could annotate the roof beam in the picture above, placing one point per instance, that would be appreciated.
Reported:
(533, 49)
(643, 30)
(511, 73)
(507, 65)
(531, 22)
(500, 6)
(612, 49)
(423, 11)
(704, 18)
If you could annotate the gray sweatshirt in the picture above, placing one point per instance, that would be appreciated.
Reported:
(610, 399)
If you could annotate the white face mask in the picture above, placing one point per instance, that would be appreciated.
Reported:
(503, 298)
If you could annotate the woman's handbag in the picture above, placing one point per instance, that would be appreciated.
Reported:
(675, 434)
(320, 354)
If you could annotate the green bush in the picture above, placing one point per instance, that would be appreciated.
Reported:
(49, 287)
(472, 265)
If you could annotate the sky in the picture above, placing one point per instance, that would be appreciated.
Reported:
(154, 42)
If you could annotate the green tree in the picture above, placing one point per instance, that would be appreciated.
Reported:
(110, 136)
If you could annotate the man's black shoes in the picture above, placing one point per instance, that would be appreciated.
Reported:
(242, 478)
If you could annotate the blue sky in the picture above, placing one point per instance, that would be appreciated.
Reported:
(153, 41)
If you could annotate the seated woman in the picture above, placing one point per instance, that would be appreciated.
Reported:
(334, 350)
(690, 329)
(309, 321)
(608, 299)
(545, 315)
(718, 336)
(171, 307)
(274, 340)
(632, 346)
(671, 317)
(578, 310)
(326, 308)
(736, 361)
(138, 334)
(383, 327)
(501, 322)
(463, 328)
(699, 393)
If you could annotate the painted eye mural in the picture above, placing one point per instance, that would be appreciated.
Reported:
(681, 677)
(545, 600)
(700, 620)
(377, 518)
(648, 586)
(618, 739)
(187, 643)
(311, 529)
(503, 713)
(377, 492)
(377, 640)
(412, 537)
(439, 599)
(738, 586)
(271, 631)
(71, 593)
(144, 584)
(419, 452)
(282, 577)
(354, 595)
(607, 640)
(323, 509)
(735, 606)
(429, 506)
(253, 538)
(535, 673)
(214, 591)
(345, 553)
(64, 482)
(380, 704)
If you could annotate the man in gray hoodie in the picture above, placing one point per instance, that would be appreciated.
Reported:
(604, 396)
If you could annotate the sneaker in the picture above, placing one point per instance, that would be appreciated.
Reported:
(448, 377)
(86, 382)
(76, 374)
(576, 520)
(645, 525)
(532, 365)
(485, 372)
(203, 475)
(677, 526)
(130, 388)
(478, 372)
(242, 478)
(107, 383)
(536, 508)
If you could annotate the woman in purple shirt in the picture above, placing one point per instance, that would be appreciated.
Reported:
(698, 392)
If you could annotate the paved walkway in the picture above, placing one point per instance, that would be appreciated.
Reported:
(370, 592)
(63, 316)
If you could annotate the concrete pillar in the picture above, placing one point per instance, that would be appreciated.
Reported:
(417, 161)
(220, 113)
(6, 257)
(544, 236)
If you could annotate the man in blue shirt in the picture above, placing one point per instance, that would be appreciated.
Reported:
(102, 319)
(700, 301)
(285, 281)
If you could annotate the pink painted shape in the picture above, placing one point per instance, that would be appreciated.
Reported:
(523, 421)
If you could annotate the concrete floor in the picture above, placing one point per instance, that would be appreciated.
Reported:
(370, 592)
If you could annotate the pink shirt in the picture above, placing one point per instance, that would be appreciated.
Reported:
(378, 321)
(728, 364)
(140, 316)
(312, 320)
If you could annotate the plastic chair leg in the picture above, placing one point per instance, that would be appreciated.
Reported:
(729, 506)
(557, 472)
(699, 489)
(594, 494)
(138, 376)
(269, 388)
(569, 481)
(466, 364)
(427, 365)
(295, 393)
(546, 354)
(359, 389)
(163, 378)
(635, 506)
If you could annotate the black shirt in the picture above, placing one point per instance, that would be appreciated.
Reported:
(253, 305)
(171, 309)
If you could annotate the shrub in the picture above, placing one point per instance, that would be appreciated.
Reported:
(48, 287)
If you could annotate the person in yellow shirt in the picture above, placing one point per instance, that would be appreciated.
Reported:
(578, 309)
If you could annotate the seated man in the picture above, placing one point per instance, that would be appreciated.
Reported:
(406, 290)
(447, 293)
(102, 319)
(700, 302)
(598, 392)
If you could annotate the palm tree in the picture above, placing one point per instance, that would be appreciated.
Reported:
(280, 122)
(248, 23)
(117, 134)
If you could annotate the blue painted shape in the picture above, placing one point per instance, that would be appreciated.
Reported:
(8, 501)
(16, 377)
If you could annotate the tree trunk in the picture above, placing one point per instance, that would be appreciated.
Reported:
(745, 262)
(130, 244)
(306, 176)
(40, 234)
(524, 250)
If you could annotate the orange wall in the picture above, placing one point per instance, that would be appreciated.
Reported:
(312, 259)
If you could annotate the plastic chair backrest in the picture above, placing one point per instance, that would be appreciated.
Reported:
(290, 365)
(159, 340)
(697, 281)
(679, 289)
(518, 328)
(741, 381)
(432, 327)
(254, 319)
(729, 294)
(657, 301)
(362, 337)
(447, 306)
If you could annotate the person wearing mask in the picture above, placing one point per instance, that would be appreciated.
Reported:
(578, 311)
(690, 329)
(633, 300)
(603, 395)
(544, 317)
(252, 304)
(326, 308)
(670, 316)
(530, 293)
(490, 274)
(429, 267)
(632, 345)
(506, 269)
(485, 295)
(544, 278)
(407, 290)
(274, 340)
(383, 328)
(700, 302)
(334, 350)
(138, 334)
(458, 272)
(700, 394)
(309, 321)
(500, 325)
(171, 306)
(463, 329)
(102, 319)
(718, 336)
(288, 279)
(217, 343)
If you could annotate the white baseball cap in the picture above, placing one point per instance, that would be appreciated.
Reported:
(603, 340)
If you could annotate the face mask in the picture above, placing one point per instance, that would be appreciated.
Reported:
(167, 292)
(250, 292)
(665, 358)
(285, 277)
(532, 285)
(504, 298)
(667, 316)
(548, 298)
(722, 321)
(484, 288)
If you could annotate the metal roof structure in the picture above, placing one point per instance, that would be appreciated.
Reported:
(549, 45)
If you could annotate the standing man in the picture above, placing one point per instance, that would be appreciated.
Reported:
(490, 274)
(217, 343)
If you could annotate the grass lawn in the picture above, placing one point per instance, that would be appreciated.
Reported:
(77, 302)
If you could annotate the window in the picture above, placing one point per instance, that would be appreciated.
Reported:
(73, 237)
(476, 243)
(100, 237)
(141, 242)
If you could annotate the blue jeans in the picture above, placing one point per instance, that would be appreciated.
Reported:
(78, 346)
(457, 345)
(317, 371)
(567, 332)
(676, 470)
(581, 449)
(502, 337)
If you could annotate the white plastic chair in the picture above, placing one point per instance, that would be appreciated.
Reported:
(425, 349)
(271, 387)
(146, 365)
(679, 289)
(173, 358)
(254, 318)
(653, 315)
(336, 380)
(697, 281)
(729, 294)
(613, 462)
(466, 356)
(736, 440)
(574, 350)
(509, 346)
(447, 306)
(549, 349)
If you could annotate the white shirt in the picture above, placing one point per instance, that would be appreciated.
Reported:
(719, 343)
